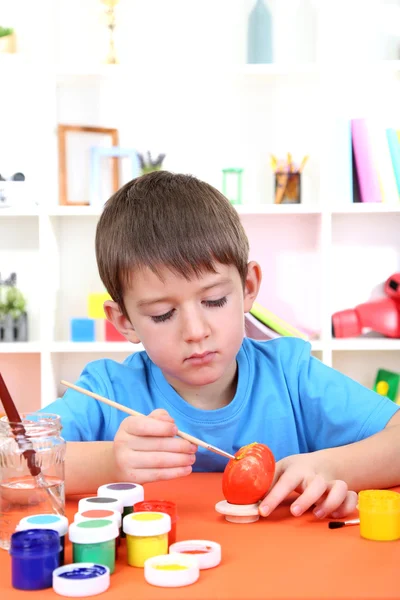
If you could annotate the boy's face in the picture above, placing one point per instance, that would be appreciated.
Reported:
(192, 330)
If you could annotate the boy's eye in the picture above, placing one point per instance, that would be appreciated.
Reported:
(164, 317)
(219, 302)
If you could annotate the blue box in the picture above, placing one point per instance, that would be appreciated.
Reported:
(83, 330)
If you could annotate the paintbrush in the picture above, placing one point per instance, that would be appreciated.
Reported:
(134, 413)
(339, 524)
(25, 445)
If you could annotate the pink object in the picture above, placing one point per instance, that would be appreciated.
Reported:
(112, 335)
(366, 169)
(382, 315)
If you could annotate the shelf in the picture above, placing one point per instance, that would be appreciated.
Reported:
(25, 212)
(74, 211)
(358, 208)
(277, 69)
(277, 209)
(20, 347)
(361, 208)
(101, 347)
(365, 343)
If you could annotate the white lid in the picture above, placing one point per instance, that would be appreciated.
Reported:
(57, 523)
(128, 493)
(186, 575)
(81, 579)
(207, 553)
(93, 531)
(100, 503)
(146, 523)
(89, 515)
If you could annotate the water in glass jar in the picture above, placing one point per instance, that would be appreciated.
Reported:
(21, 497)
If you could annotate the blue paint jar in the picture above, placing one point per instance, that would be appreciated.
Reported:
(35, 553)
(57, 523)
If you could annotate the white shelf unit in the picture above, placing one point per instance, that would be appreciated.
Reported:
(323, 255)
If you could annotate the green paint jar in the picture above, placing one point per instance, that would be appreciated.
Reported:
(93, 541)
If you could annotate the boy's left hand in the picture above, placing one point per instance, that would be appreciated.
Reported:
(302, 473)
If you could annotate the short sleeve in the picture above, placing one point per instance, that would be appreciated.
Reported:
(83, 419)
(335, 409)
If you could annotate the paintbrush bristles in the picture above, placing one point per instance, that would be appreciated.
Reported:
(339, 524)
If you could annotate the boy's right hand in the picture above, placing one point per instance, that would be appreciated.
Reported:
(146, 450)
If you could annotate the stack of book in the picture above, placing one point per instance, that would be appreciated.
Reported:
(262, 324)
(376, 155)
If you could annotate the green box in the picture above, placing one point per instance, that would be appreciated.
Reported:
(387, 384)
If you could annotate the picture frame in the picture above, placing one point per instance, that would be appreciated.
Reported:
(63, 131)
(116, 152)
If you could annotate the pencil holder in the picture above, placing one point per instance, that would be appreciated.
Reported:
(287, 187)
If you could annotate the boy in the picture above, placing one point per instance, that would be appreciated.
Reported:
(173, 255)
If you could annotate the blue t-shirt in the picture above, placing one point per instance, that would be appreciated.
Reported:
(285, 398)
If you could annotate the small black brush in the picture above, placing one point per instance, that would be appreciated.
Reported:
(339, 524)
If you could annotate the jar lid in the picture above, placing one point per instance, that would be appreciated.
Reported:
(165, 506)
(34, 542)
(100, 502)
(58, 523)
(81, 579)
(379, 500)
(207, 553)
(128, 493)
(93, 531)
(171, 570)
(146, 523)
(87, 515)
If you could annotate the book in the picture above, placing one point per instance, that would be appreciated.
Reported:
(366, 171)
(338, 151)
(393, 138)
(382, 161)
(275, 323)
(256, 330)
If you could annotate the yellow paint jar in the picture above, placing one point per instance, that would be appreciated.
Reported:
(379, 514)
(146, 536)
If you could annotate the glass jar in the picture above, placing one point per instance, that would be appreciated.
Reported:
(31, 470)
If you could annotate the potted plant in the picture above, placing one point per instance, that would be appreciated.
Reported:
(7, 39)
(148, 164)
(13, 317)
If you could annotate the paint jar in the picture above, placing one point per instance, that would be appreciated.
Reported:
(146, 536)
(81, 580)
(57, 523)
(207, 553)
(94, 541)
(112, 515)
(127, 493)
(35, 553)
(171, 570)
(100, 503)
(379, 512)
(21, 494)
(164, 506)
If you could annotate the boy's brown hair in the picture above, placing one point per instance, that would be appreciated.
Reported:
(167, 219)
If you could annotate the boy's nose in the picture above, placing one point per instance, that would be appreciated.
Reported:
(195, 327)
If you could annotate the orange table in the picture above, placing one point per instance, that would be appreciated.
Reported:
(281, 557)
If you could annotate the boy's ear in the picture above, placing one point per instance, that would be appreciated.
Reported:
(252, 284)
(115, 315)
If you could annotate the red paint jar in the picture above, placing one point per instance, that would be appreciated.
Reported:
(164, 506)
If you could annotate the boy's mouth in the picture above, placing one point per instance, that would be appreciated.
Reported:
(200, 359)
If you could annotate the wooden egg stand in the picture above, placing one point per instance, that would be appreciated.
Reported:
(238, 513)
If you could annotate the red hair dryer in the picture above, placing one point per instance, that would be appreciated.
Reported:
(382, 315)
